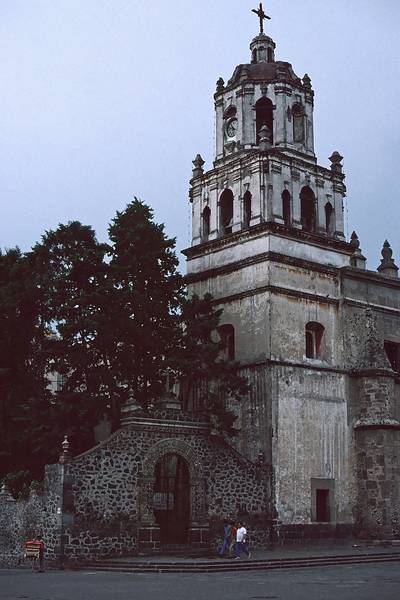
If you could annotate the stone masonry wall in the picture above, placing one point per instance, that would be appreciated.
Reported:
(377, 435)
(21, 520)
(105, 488)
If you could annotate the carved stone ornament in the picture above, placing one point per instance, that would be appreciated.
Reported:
(388, 267)
(220, 86)
(307, 82)
(336, 159)
(198, 163)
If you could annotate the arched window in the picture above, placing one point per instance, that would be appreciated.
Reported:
(264, 116)
(226, 211)
(246, 209)
(314, 337)
(227, 340)
(270, 55)
(206, 222)
(298, 123)
(286, 208)
(254, 56)
(328, 217)
(307, 200)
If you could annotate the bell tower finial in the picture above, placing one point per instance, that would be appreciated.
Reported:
(261, 15)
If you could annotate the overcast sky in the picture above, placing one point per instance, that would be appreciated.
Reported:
(102, 100)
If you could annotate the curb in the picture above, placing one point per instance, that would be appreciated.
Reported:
(243, 565)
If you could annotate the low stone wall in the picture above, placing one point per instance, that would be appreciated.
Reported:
(108, 490)
(101, 503)
(312, 533)
(19, 521)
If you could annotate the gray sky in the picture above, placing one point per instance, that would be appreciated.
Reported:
(102, 100)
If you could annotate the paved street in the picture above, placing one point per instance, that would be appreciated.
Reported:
(356, 582)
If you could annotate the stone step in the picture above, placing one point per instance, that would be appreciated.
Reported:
(234, 565)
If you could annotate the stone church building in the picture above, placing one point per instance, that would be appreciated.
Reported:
(316, 334)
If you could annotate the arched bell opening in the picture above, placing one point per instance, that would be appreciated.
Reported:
(286, 212)
(226, 211)
(307, 201)
(206, 216)
(329, 217)
(247, 209)
(171, 498)
(264, 116)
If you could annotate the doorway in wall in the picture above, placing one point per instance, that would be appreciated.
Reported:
(171, 499)
(323, 500)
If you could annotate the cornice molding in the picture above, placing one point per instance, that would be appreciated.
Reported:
(370, 277)
(314, 366)
(274, 289)
(264, 256)
(313, 239)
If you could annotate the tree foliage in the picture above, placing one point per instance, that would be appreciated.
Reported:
(146, 295)
(209, 380)
(70, 271)
(110, 320)
(24, 399)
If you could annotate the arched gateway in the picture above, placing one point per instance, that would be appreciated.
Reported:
(171, 498)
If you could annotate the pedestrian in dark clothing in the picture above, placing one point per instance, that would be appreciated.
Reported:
(227, 538)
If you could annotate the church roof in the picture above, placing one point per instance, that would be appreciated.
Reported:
(264, 71)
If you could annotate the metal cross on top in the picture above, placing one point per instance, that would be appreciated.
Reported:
(261, 15)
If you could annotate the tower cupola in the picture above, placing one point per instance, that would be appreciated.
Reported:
(262, 49)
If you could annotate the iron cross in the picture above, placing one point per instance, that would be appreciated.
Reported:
(261, 15)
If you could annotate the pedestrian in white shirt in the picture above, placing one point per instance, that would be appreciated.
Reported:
(241, 545)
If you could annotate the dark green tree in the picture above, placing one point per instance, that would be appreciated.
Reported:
(70, 270)
(24, 398)
(146, 293)
(210, 381)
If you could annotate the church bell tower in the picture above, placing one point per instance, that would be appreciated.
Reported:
(265, 169)
(268, 243)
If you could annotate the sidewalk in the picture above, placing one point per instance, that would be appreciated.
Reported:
(297, 551)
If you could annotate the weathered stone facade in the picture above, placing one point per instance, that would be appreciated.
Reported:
(101, 502)
(317, 335)
(112, 488)
(21, 520)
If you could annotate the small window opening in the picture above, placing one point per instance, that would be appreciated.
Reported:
(286, 208)
(264, 116)
(247, 209)
(307, 201)
(227, 338)
(314, 335)
(298, 123)
(328, 217)
(226, 211)
(270, 55)
(322, 507)
(393, 353)
(254, 56)
(206, 221)
(230, 112)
